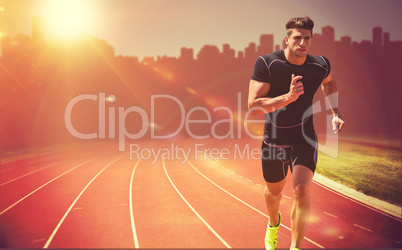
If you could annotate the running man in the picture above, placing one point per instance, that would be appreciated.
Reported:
(282, 87)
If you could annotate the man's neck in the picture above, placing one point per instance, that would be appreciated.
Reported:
(293, 59)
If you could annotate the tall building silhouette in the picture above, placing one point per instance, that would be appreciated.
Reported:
(240, 55)
(377, 36)
(250, 52)
(186, 54)
(228, 53)
(328, 33)
(386, 38)
(277, 47)
(266, 44)
(207, 53)
(346, 41)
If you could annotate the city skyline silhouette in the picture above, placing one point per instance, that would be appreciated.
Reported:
(46, 72)
(139, 28)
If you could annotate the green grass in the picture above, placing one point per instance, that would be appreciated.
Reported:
(371, 170)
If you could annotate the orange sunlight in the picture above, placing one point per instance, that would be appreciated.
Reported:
(68, 17)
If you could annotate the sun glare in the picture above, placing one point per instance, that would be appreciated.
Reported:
(68, 17)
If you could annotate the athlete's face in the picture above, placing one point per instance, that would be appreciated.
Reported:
(299, 42)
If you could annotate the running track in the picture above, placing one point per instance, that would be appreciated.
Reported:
(97, 197)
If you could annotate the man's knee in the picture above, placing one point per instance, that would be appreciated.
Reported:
(302, 177)
(301, 191)
(273, 192)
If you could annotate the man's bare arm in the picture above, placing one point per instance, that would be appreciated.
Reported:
(259, 104)
(330, 89)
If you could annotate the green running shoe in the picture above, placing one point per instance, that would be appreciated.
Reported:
(271, 236)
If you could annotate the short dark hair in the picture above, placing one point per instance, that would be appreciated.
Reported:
(299, 23)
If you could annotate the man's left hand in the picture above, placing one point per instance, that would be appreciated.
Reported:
(338, 124)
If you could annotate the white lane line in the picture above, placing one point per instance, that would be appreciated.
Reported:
(48, 166)
(287, 197)
(75, 201)
(331, 215)
(249, 180)
(253, 208)
(368, 230)
(196, 213)
(26, 196)
(136, 245)
(240, 176)
(259, 185)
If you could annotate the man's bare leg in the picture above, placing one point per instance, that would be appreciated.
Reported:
(273, 195)
(302, 177)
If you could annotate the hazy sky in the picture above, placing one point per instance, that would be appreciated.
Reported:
(161, 27)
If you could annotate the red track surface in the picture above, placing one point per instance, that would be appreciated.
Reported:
(97, 197)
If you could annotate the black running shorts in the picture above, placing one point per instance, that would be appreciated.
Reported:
(276, 159)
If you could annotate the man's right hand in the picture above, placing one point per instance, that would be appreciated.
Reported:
(296, 88)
